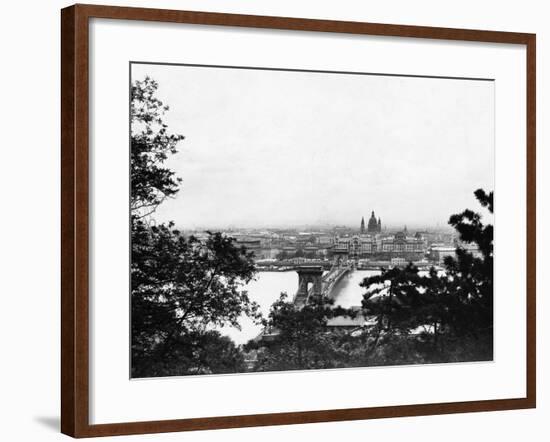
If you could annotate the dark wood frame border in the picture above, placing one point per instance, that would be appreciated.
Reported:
(74, 220)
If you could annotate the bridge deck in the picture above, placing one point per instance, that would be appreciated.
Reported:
(328, 282)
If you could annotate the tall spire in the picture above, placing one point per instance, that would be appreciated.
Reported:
(362, 224)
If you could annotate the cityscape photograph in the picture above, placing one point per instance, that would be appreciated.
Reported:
(295, 220)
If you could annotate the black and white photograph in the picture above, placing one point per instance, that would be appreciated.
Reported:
(286, 219)
(275, 221)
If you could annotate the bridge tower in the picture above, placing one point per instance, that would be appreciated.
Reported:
(309, 275)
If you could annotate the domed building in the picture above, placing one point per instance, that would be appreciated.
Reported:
(375, 225)
(404, 245)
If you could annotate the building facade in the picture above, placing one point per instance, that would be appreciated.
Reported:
(390, 246)
(401, 243)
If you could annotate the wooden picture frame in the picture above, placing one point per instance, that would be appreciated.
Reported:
(75, 219)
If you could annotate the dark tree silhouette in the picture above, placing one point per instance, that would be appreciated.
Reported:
(444, 315)
(470, 278)
(301, 338)
(181, 287)
(152, 143)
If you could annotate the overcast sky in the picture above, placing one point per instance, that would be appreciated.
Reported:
(270, 148)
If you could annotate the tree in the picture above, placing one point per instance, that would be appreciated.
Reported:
(455, 306)
(301, 338)
(182, 287)
(470, 277)
(151, 144)
(391, 296)
(198, 353)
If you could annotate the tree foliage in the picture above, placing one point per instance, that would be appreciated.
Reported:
(182, 287)
(441, 311)
(195, 352)
(300, 337)
(151, 144)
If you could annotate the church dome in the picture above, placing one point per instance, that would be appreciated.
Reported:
(373, 226)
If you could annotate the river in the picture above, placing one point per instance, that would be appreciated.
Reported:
(268, 285)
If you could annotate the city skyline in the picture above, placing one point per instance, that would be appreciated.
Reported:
(319, 226)
(281, 149)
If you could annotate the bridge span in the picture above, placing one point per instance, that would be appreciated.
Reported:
(313, 284)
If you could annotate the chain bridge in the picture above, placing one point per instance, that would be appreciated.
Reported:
(313, 284)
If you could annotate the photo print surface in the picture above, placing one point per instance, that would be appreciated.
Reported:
(295, 220)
